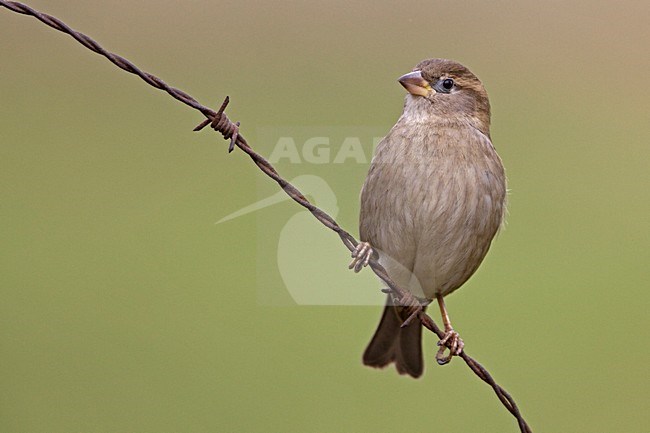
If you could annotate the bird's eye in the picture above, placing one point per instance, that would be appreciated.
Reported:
(447, 83)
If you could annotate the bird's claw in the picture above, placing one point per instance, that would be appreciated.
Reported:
(452, 341)
(361, 256)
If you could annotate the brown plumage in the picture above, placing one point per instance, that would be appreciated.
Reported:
(432, 202)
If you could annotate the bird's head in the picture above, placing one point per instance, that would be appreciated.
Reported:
(446, 90)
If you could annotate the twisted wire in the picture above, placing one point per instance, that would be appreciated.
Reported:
(220, 122)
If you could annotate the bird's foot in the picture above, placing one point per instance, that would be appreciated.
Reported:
(452, 341)
(361, 256)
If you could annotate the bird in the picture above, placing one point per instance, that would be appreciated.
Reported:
(432, 202)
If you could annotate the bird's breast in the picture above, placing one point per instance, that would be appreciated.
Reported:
(433, 200)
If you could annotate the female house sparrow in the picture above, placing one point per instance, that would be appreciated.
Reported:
(434, 198)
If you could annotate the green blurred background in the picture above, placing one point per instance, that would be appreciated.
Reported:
(124, 308)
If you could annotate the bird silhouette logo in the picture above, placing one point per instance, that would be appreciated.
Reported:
(310, 261)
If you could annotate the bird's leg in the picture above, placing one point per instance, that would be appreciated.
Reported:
(361, 256)
(451, 337)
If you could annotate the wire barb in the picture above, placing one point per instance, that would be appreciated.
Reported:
(233, 139)
(230, 131)
(220, 123)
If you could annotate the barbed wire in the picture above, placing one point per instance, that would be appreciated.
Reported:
(220, 122)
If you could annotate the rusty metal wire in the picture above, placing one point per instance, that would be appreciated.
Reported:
(220, 122)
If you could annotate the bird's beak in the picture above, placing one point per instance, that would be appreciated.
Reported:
(415, 84)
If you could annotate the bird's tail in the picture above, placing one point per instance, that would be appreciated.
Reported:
(392, 343)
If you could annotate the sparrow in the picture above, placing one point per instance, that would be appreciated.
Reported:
(433, 200)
